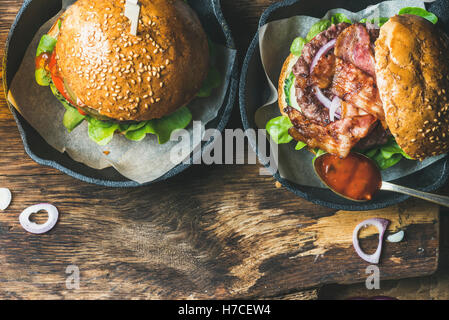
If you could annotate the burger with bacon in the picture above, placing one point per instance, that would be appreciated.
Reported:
(382, 91)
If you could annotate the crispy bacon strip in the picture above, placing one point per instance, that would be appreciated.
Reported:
(338, 137)
(377, 137)
(323, 73)
(349, 111)
(357, 88)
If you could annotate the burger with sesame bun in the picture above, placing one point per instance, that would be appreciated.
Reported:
(124, 83)
(380, 88)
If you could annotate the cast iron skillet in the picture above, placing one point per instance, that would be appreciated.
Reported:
(32, 15)
(254, 93)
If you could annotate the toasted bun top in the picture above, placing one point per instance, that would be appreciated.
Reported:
(128, 77)
(412, 69)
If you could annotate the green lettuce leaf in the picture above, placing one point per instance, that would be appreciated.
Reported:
(289, 82)
(46, 44)
(420, 12)
(385, 163)
(317, 28)
(101, 132)
(138, 134)
(387, 155)
(380, 21)
(278, 127)
(300, 145)
(127, 127)
(43, 78)
(318, 152)
(163, 127)
(72, 118)
(297, 46)
(339, 18)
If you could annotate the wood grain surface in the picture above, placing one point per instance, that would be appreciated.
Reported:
(210, 232)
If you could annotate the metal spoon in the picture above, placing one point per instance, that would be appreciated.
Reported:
(359, 171)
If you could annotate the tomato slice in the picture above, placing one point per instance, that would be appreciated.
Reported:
(81, 111)
(59, 82)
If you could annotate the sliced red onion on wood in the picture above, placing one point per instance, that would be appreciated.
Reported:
(381, 225)
(323, 50)
(5, 198)
(397, 237)
(334, 111)
(33, 227)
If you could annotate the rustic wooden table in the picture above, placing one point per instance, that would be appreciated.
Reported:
(211, 232)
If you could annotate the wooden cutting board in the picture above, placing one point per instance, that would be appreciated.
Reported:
(211, 232)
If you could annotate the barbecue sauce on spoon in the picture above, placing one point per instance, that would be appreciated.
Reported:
(355, 177)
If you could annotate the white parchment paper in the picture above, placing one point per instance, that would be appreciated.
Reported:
(275, 39)
(142, 161)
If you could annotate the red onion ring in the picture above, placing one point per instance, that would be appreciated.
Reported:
(323, 99)
(331, 105)
(5, 198)
(397, 237)
(32, 227)
(328, 103)
(323, 50)
(335, 105)
(381, 225)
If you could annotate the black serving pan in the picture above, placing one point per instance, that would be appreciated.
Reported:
(254, 93)
(32, 15)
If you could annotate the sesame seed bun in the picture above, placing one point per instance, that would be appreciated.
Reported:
(132, 78)
(412, 70)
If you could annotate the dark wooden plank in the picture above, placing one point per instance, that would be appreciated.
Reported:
(211, 232)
